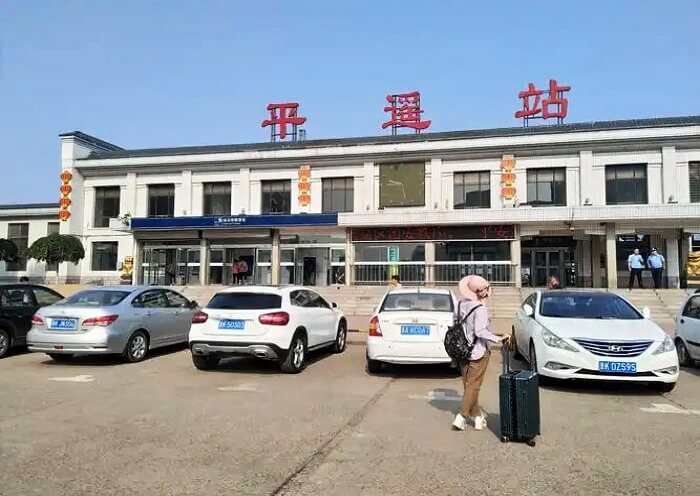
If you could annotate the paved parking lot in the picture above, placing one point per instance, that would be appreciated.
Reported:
(159, 427)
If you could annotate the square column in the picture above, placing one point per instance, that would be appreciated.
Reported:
(611, 255)
(275, 257)
(673, 265)
(586, 264)
(349, 257)
(516, 259)
(203, 262)
(596, 272)
(429, 264)
(136, 270)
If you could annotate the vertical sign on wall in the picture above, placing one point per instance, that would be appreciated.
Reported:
(508, 190)
(64, 202)
(304, 185)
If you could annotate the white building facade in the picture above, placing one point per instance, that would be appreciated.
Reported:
(516, 205)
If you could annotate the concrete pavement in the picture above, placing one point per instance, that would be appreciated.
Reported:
(160, 427)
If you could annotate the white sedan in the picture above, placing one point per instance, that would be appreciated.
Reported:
(409, 326)
(280, 324)
(688, 332)
(593, 335)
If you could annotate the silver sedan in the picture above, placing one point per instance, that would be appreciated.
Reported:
(125, 320)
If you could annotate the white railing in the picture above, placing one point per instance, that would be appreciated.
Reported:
(379, 273)
(499, 273)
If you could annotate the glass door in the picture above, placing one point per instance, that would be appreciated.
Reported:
(263, 266)
(287, 265)
(337, 275)
(547, 263)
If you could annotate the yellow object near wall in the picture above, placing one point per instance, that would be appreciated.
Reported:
(692, 266)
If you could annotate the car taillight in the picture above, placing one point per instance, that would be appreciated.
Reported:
(200, 318)
(36, 320)
(374, 329)
(103, 321)
(277, 318)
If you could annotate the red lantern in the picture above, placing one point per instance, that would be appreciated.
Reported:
(64, 215)
(64, 202)
(66, 189)
(66, 177)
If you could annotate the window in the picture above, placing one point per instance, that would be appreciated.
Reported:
(276, 197)
(587, 306)
(245, 301)
(694, 179)
(472, 251)
(472, 189)
(417, 302)
(692, 308)
(161, 200)
(546, 187)
(626, 184)
(402, 185)
(52, 228)
(151, 299)
(531, 300)
(19, 235)
(338, 194)
(176, 300)
(106, 205)
(46, 297)
(104, 255)
(95, 298)
(217, 199)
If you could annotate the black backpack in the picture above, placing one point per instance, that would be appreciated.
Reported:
(457, 345)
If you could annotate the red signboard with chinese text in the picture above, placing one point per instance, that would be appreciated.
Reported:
(304, 185)
(508, 190)
(281, 116)
(405, 111)
(433, 233)
(553, 106)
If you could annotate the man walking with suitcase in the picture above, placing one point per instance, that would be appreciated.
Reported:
(474, 290)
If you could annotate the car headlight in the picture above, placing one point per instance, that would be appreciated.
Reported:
(551, 339)
(665, 346)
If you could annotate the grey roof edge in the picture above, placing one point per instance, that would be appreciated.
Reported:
(28, 206)
(91, 140)
(405, 138)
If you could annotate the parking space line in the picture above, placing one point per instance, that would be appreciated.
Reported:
(436, 396)
(242, 388)
(668, 408)
(77, 378)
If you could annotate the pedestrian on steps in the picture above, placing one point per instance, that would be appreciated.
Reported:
(475, 290)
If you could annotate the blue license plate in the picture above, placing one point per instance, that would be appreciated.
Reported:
(232, 325)
(61, 324)
(618, 367)
(415, 330)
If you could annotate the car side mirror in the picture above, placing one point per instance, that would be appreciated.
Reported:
(529, 311)
(334, 304)
(646, 313)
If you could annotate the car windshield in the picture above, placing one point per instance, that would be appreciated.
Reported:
(420, 302)
(245, 301)
(587, 306)
(95, 298)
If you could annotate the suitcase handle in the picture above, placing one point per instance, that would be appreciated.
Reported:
(506, 357)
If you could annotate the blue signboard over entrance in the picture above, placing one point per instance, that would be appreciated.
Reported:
(234, 221)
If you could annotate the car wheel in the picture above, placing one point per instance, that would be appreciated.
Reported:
(373, 366)
(136, 348)
(664, 387)
(341, 337)
(683, 356)
(60, 357)
(4, 343)
(296, 356)
(514, 347)
(204, 362)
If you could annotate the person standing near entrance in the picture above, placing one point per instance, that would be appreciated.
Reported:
(234, 271)
(635, 264)
(242, 270)
(656, 263)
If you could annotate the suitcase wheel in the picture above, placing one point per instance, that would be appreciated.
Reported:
(531, 443)
(504, 439)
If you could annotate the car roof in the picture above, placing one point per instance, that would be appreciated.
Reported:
(574, 292)
(260, 289)
(419, 289)
(127, 288)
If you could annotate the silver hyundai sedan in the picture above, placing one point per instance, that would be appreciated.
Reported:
(125, 320)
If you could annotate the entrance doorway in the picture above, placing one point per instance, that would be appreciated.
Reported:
(548, 263)
(170, 266)
(545, 257)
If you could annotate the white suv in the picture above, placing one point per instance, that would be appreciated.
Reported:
(271, 323)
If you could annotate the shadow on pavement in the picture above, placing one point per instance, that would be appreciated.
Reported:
(582, 386)
(110, 360)
(418, 371)
(247, 364)
(691, 370)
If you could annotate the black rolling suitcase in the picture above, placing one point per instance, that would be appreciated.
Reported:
(520, 403)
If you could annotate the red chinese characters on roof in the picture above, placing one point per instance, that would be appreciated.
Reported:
(554, 105)
(405, 111)
(281, 116)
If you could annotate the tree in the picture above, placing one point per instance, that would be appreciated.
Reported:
(56, 249)
(8, 250)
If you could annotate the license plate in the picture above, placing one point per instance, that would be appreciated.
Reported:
(619, 367)
(63, 324)
(415, 330)
(232, 325)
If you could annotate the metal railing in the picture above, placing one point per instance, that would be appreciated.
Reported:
(498, 273)
(379, 273)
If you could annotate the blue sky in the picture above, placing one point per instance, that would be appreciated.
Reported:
(173, 73)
